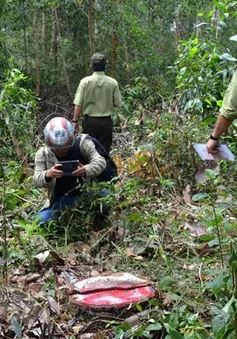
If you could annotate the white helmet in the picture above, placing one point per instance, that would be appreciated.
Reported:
(59, 133)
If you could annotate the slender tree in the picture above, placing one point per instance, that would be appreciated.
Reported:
(62, 54)
(36, 41)
(91, 25)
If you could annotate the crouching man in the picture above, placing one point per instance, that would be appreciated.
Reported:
(63, 188)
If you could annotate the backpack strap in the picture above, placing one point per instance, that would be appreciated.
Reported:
(111, 169)
(77, 150)
(80, 143)
(99, 147)
(78, 147)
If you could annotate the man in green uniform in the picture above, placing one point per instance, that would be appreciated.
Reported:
(96, 97)
(228, 112)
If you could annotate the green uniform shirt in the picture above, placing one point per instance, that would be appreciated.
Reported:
(229, 105)
(98, 94)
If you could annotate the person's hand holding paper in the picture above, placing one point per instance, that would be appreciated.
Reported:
(221, 152)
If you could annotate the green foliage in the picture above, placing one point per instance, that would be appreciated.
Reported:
(173, 149)
(202, 69)
(198, 302)
(179, 324)
(17, 107)
(223, 284)
(92, 211)
(202, 74)
(125, 331)
(140, 95)
(145, 38)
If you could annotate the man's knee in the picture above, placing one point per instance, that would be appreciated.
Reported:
(44, 217)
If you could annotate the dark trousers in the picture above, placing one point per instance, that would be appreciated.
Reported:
(59, 205)
(100, 128)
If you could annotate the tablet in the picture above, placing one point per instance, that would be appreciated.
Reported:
(68, 166)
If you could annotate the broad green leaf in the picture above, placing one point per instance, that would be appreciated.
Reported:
(173, 321)
(219, 323)
(222, 23)
(206, 237)
(228, 57)
(166, 282)
(139, 307)
(214, 242)
(227, 307)
(233, 38)
(16, 327)
(154, 327)
(175, 334)
(200, 196)
(120, 334)
(234, 123)
(219, 282)
(223, 204)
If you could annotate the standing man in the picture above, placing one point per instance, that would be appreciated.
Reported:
(96, 97)
(228, 112)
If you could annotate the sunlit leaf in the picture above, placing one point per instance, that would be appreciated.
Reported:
(233, 38)
(228, 57)
(166, 282)
(227, 306)
(200, 196)
(16, 327)
(154, 327)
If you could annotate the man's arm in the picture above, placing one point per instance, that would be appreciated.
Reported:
(76, 116)
(77, 113)
(78, 102)
(222, 126)
(117, 97)
(43, 175)
(95, 162)
(228, 112)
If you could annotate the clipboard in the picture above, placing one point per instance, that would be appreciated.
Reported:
(223, 152)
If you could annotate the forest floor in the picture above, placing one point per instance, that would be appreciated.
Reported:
(155, 232)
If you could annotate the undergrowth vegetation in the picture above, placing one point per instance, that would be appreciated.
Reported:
(163, 225)
(172, 218)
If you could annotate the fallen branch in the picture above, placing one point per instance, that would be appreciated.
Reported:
(136, 318)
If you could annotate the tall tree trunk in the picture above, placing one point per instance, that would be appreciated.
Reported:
(114, 40)
(177, 27)
(25, 41)
(62, 55)
(114, 52)
(36, 38)
(125, 46)
(150, 12)
(198, 28)
(17, 144)
(215, 20)
(43, 36)
(91, 27)
(54, 44)
(20, 153)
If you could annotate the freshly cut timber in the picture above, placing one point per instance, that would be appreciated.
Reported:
(114, 298)
(122, 281)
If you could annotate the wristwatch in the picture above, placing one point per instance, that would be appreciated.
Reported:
(213, 138)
